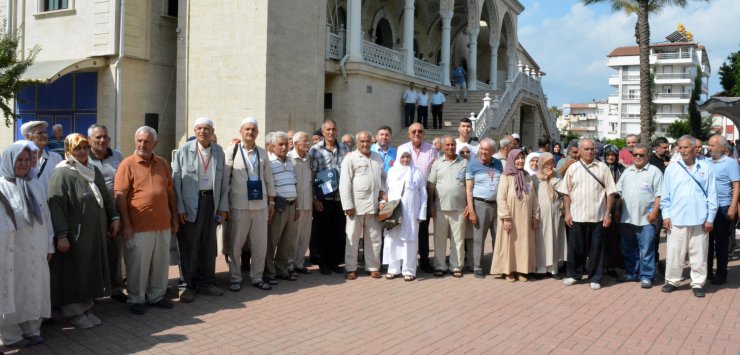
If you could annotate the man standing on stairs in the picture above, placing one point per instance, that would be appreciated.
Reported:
(438, 102)
(465, 128)
(422, 107)
(409, 104)
(458, 77)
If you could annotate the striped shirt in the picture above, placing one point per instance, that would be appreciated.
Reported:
(423, 159)
(284, 177)
(322, 158)
(587, 197)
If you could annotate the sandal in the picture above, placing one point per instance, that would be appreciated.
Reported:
(457, 274)
(409, 278)
(262, 286)
(439, 273)
(390, 276)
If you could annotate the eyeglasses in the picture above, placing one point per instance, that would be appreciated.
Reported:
(638, 155)
(419, 131)
(588, 149)
(464, 152)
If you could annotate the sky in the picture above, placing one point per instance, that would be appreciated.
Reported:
(570, 41)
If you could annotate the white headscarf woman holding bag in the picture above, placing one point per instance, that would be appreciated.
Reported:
(407, 183)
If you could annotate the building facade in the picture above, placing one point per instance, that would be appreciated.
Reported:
(590, 120)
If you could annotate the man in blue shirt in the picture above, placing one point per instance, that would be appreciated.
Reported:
(481, 181)
(458, 79)
(689, 206)
(383, 147)
(727, 174)
(438, 102)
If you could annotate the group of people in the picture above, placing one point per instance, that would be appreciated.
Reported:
(74, 226)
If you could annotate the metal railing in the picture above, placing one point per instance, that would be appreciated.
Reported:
(334, 46)
(673, 76)
(674, 55)
(680, 96)
(383, 57)
(428, 71)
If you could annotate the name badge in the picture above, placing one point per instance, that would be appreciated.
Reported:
(254, 190)
(205, 180)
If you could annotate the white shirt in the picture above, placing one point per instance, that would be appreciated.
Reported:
(409, 96)
(438, 98)
(206, 170)
(423, 99)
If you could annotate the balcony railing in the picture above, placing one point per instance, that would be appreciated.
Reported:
(383, 57)
(631, 97)
(673, 76)
(680, 96)
(334, 46)
(631, 116)
(674, 55)
(428, 71)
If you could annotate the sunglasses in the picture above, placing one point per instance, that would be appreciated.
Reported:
(638, 155)
(417, 131)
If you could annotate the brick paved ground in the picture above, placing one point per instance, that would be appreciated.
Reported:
(326, 314)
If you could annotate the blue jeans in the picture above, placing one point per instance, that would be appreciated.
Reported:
(638, 248)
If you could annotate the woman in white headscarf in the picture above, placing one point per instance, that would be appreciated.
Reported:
(81, 212)
(31, 250)
(531, 163)
(407, 183)
(550, 238)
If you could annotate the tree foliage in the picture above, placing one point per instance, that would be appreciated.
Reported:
(11, 69)
(729, 75)
(682, 127)
(695, 121)
(618, 142)
(566, 138)
(555, 111)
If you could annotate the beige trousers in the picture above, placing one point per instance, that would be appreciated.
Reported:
(147, 257)
(247, 225)
(11, 333)
(358, 226)
(450, 224)
(303, 238)
(281, 243)
(679, 241)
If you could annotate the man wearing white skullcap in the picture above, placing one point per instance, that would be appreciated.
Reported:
(202, 191)
(251, 201)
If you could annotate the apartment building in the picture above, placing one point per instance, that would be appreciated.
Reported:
(592, 120)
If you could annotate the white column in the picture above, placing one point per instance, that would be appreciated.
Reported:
(493, 76)
(408, 35)
(473, 59)
(446, 21)
(354, 30)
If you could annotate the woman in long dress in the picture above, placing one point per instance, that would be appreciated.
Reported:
(81, 211)
(32, 249)
(405, 182)
(613, 247)
(518, 214)
(550, 238)
(7, 240)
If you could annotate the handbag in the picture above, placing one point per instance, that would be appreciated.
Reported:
(254, 187)
(392, 214)
(327, 180)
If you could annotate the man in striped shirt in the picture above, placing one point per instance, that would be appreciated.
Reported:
(588, 187)
(281, 242)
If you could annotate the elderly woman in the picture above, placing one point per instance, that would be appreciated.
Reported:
(531, 163)
(613, 250)
(518, 214)
(81, 212)
(550, 238)
(31, 249)
(405, 183)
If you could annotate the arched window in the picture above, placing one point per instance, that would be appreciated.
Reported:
(384, 34)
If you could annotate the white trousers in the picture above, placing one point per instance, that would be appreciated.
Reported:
(450, 224)
(681, 240)
(147, 257)
(11, 333)
(358, 226)
(247, 225)
(303, 238)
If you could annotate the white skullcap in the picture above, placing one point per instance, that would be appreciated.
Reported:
(203, 120)
(515, 135)
(251, 120)
(28, 125)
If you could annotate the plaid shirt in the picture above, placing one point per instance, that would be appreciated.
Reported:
(322, 158)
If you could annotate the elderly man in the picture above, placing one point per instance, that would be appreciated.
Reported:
(304, 201)
(727, 175)
(361, 187)
(147, 203)
(35, 131)
(422, 155)
(640, 187)
(56, 144)
(689, 206)
(326, 159)
(281, 232)
(408, 100)
(505, 145)
(438, 103)
(251, 205)
(572, 157)
(625, 155)
(543, 144)
(107, 161)
(517, 142)
(481, 188)
(661, 154)
(422, 107)
(447, 201)
(383, 147)
(349, 141)
(465, 128)
(290, 134)
(202, 191)
(588, 189)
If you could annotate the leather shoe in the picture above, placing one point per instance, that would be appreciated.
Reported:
(325, 271)
(303, 270)
(698, 291)
(719, 280)
(210, 290)
(479, 274)
(668, 288)
(137, 308)
(187, 296)
(120, 297)
(375, 274)
(164, 303)
(337, 270)
(351, 275)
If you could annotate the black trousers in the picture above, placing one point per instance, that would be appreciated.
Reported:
(198, 247)
(719, 242)
(422, 114)
(330, 225)
(408, 114)
(424, 242)
(436, 116)
(586, 251)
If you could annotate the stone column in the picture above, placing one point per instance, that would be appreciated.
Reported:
(408, 35)
(354, 30)
(473, 59)
(446, 21)
(493, 76)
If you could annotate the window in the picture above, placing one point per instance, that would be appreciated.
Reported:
(53, 5)
(170, 8)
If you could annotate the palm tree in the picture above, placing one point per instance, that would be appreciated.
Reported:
(642, 35)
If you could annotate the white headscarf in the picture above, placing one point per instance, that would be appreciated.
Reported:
(27, 201)
(529, 158)
(399, 174)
